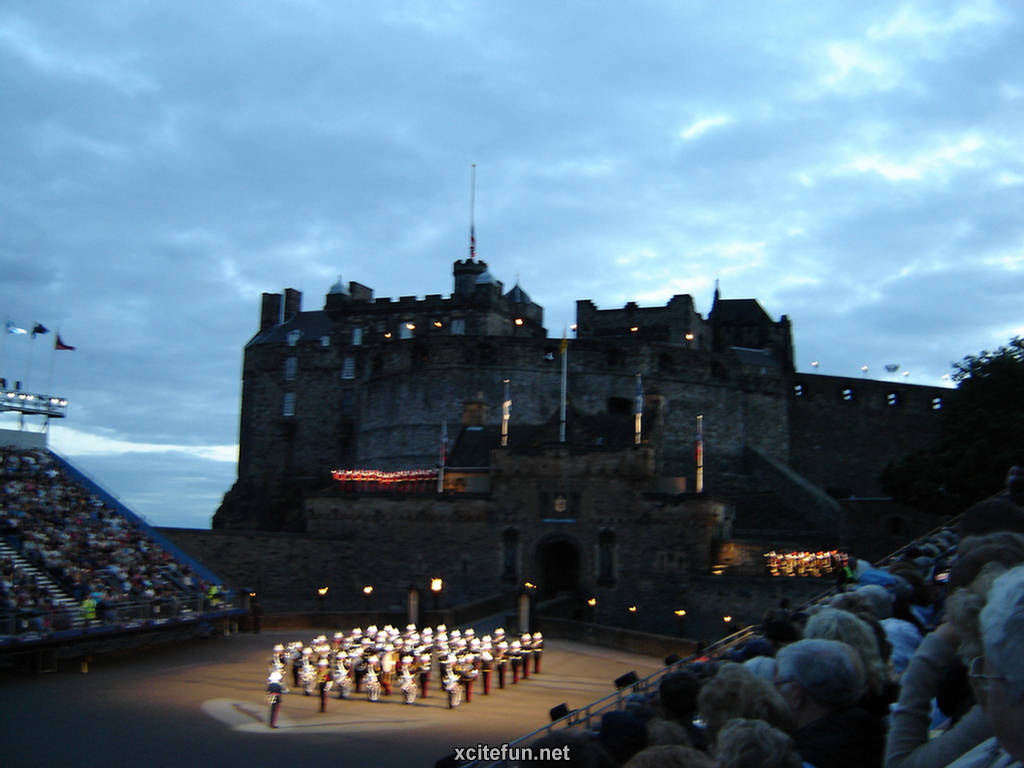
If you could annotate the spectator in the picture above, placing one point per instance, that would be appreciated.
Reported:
(737, 692)
(821, 682)
(998, 676)
(755, 744)
(671, 756)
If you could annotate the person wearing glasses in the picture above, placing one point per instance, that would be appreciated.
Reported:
(997, 677)
(822, 682)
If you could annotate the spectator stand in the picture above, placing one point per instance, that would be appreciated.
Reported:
(589, 717)
(46, 623)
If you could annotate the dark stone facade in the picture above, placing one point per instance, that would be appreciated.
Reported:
(367, 383)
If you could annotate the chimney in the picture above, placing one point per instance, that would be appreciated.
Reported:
(292, 303)
(270, 311)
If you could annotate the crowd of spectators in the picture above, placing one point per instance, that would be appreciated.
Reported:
(916, 663)
(104, 566)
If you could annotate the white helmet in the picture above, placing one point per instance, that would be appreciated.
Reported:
(275, 677)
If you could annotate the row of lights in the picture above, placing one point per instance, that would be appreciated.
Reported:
(436, 585)
(633, 609)
(25, 397)
(411, 326)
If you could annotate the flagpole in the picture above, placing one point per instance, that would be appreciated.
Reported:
(472, 212)
(31, 355)
(506, 408)
(444, 455)
(639, 411)
(700, 454)
(49, 376)
(565, 380)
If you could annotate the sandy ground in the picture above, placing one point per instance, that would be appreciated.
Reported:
(201, 703)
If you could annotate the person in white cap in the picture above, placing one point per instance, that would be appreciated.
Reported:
(275, 693)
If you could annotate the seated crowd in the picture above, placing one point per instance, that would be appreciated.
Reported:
(99, 560)
(915, 664)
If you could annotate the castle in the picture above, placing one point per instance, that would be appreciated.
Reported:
(606, 501)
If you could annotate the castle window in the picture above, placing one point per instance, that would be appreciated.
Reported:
(606, 557)
(357, 337)
(348, 367)
(405, 330)
(798, 390)
(847, 394)
(936, 403)
(347, 402)
(616, 358)
(293, 337)
(325, 341)
(892, 398)
(509, 554)
(288, 407)
(458, 326)
(291, 366)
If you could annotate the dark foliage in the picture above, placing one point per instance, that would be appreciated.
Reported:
(982, 436)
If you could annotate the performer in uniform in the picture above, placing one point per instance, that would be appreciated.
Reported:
(526, 649)
(501, 660)
(538, 651)
(486, 662)
(323, 681)
(275, 693)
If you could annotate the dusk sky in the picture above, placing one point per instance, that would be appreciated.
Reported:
(857, 166)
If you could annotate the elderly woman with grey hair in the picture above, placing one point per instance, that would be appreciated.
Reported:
(822, 681)
(998, 675)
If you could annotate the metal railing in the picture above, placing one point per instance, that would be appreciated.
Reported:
(32, 625)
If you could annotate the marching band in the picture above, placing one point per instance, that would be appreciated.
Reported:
(370, 662)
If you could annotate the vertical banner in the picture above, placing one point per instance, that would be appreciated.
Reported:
(699, 451)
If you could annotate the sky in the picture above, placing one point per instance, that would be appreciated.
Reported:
(856, 166)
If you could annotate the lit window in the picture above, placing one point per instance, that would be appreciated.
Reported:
(291, 366)
(357, 337)
(293, 337)
(458, 326)
(288, 408)
(798, 390)
(348, 367)
(892, 398)
(847, 394)
(405, 330)
(325, 341)
(936, 403)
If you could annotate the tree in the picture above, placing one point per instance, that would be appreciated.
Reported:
(981, 436)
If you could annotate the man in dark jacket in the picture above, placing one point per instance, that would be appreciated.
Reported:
(821, 681)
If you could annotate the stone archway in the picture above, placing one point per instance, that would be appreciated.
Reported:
(559, 561)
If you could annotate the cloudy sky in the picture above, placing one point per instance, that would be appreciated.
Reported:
(857, 166)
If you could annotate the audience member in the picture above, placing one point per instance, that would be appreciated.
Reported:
(822, 681)
(755, 744)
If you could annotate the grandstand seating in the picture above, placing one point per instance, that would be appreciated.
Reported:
(73, 558)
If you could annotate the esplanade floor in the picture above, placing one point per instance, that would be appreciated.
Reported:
(201, 703)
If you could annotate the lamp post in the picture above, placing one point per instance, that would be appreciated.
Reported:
(436, 585)
(526, 606)
(368, 598)
(592, 609)
(321, 594)
(680, 614)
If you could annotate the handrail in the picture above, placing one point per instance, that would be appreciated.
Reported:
(32, 625)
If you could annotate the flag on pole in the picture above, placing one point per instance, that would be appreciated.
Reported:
(59, 344)
(15, 330)
(639, 411)
(38, 329)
